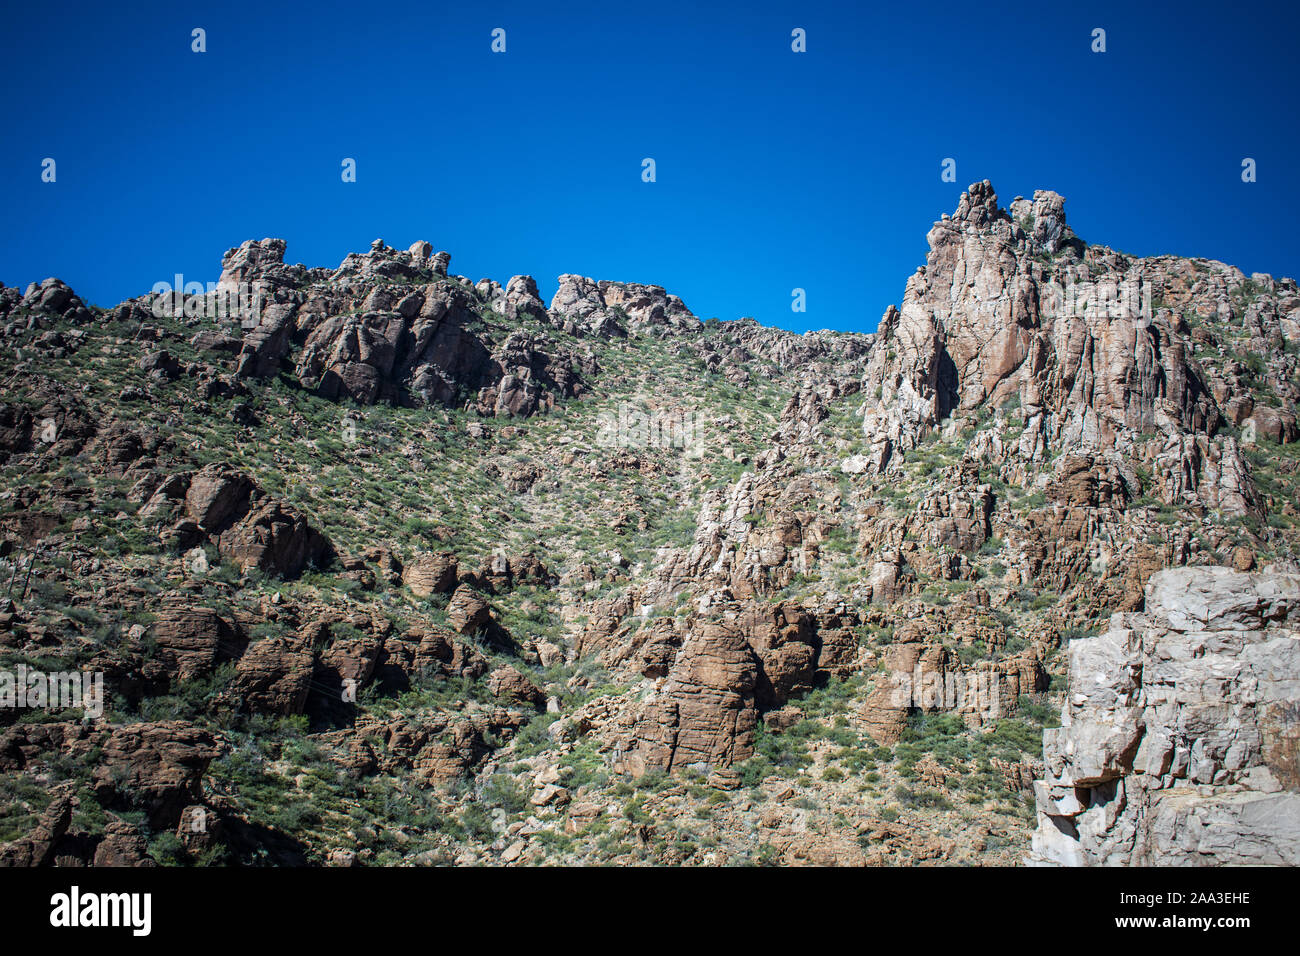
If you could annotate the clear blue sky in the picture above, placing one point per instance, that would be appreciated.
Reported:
(775, 170)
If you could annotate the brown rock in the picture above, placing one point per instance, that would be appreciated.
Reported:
(467, 612)
(276, 538)
(439, 650)
(783, 638)
(705, 712)
(1275, 424)
(431, 574)
(123, 846)
(190, 641)
(156, 766)
(273, 676)
(217, 497)
(38, 846)
(390, 566)
(199, 828)
(782, 719)
(506, 682)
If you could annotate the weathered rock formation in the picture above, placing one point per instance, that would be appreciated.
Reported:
(393, 326)
(1010, 307)
(249, 528)
(1181, 731)
(705, 714)
(872, 531)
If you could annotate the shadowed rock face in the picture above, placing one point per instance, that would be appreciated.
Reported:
(249, 528)
(1178, 741)
(156, 766)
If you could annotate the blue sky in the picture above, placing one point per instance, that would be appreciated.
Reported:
(775, 170)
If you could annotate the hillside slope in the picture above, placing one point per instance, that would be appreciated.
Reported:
(389, 566)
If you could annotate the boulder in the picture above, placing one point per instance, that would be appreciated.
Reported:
(217, 497)
(276, 538)
(273, 677)
(467, 612)
(428, 574)
(154, 766)
(509, 684)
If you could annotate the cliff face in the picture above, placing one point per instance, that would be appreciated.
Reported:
(1100, 351)
(595, 581)
(1178, 740)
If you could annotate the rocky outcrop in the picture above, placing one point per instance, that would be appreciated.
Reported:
(217, 497)
(467, 612)
(754, 537)
(248, 527)
(1178, 741)
(439, 651)
(428, 574)
(784, 639)
(502, 572)
(529, 374)
(259, 263)
(423, 655)
(274, 676)
(1027, 461)
(720, 670)
(705, 712)
(123, 845)
(1010, 307)
(380, 330)
(156, 767)
(439, 748)
(39, 845)
(923, 676)
(647, 306)
(267, 341)
(189, 642)
(277, 538)
(509, 684)
(52, 297)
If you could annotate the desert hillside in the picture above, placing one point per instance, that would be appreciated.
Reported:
(382, 565)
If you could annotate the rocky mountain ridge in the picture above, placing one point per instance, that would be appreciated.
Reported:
(405, 568)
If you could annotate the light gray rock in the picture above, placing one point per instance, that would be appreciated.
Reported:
(1178, 740)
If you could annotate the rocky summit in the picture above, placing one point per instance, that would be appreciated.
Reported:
(379, 565)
